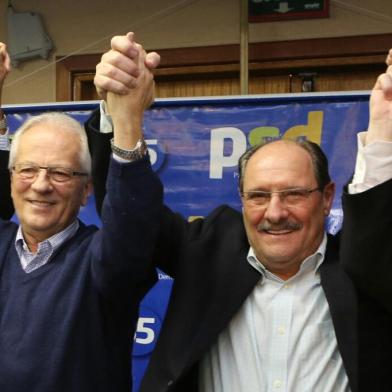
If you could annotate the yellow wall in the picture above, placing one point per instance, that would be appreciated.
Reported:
(85, 26)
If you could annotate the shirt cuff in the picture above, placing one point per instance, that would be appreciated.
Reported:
(119, 159)
(373, 165)
(105, 121)
(5, 142)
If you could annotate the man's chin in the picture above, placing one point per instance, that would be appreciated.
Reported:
(41, 229)
(279, 255)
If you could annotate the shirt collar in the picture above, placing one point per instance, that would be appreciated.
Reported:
(312, 262)
(52, 242)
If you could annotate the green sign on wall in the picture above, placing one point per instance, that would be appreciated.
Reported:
(270, 10)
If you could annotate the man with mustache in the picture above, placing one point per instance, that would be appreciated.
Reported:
(259, 301)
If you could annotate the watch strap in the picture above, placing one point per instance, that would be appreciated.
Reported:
(130, 155)
(3, 122)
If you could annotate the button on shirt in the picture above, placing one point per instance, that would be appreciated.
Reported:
(31, 261)
(282, 338)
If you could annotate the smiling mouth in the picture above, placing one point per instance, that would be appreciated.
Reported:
(41, 203)
(278, 229)
(277, 232)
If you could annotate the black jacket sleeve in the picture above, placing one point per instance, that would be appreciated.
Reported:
(366, 250)
(176, 236)
(6, 206)
(99, 144)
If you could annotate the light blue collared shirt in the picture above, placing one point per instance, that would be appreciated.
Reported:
(5, 142)
(31, 261)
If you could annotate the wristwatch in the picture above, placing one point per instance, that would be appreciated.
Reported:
(3, 123)
(130, 155)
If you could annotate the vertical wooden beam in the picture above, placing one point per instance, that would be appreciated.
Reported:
(244, 52)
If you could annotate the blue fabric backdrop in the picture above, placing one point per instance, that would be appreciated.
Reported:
(195, 145)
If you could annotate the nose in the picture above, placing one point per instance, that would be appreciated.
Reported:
(42, 182)
(275, 211)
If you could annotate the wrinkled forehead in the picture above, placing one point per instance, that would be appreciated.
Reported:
(280, 160)
(50, 127)
(47, 139)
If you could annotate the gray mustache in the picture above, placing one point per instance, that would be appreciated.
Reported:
(267, 226)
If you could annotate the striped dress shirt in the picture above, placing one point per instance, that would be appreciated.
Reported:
(31, 261)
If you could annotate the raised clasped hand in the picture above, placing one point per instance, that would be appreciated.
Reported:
(380, 121)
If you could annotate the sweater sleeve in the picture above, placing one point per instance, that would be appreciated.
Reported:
(122, 260)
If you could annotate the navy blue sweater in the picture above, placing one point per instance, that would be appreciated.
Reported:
(68, 326)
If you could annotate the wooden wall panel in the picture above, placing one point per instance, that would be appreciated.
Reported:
(338, 64)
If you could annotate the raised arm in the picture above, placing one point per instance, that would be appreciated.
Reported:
(127, 105)
(380, 122)
(6, 206)
(5, 68)
(117, 72)
(133, 202)
(367, 227)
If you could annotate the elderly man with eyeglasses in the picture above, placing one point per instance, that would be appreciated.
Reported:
(69, 293)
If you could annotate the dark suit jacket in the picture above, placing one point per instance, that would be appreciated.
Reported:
(6, 206)
(367, 257)
(367, 231)
(212, 279)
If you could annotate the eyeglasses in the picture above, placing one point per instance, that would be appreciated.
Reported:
(289, 197)
(29, 172)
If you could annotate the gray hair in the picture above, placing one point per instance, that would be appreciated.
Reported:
(319, 160)
(58, 120)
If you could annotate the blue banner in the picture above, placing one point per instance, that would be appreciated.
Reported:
(194, 146)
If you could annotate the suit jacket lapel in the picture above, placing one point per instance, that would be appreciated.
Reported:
(342, 300)
(239, 281)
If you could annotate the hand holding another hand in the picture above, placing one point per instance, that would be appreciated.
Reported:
(119, 68)
(125, 78)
